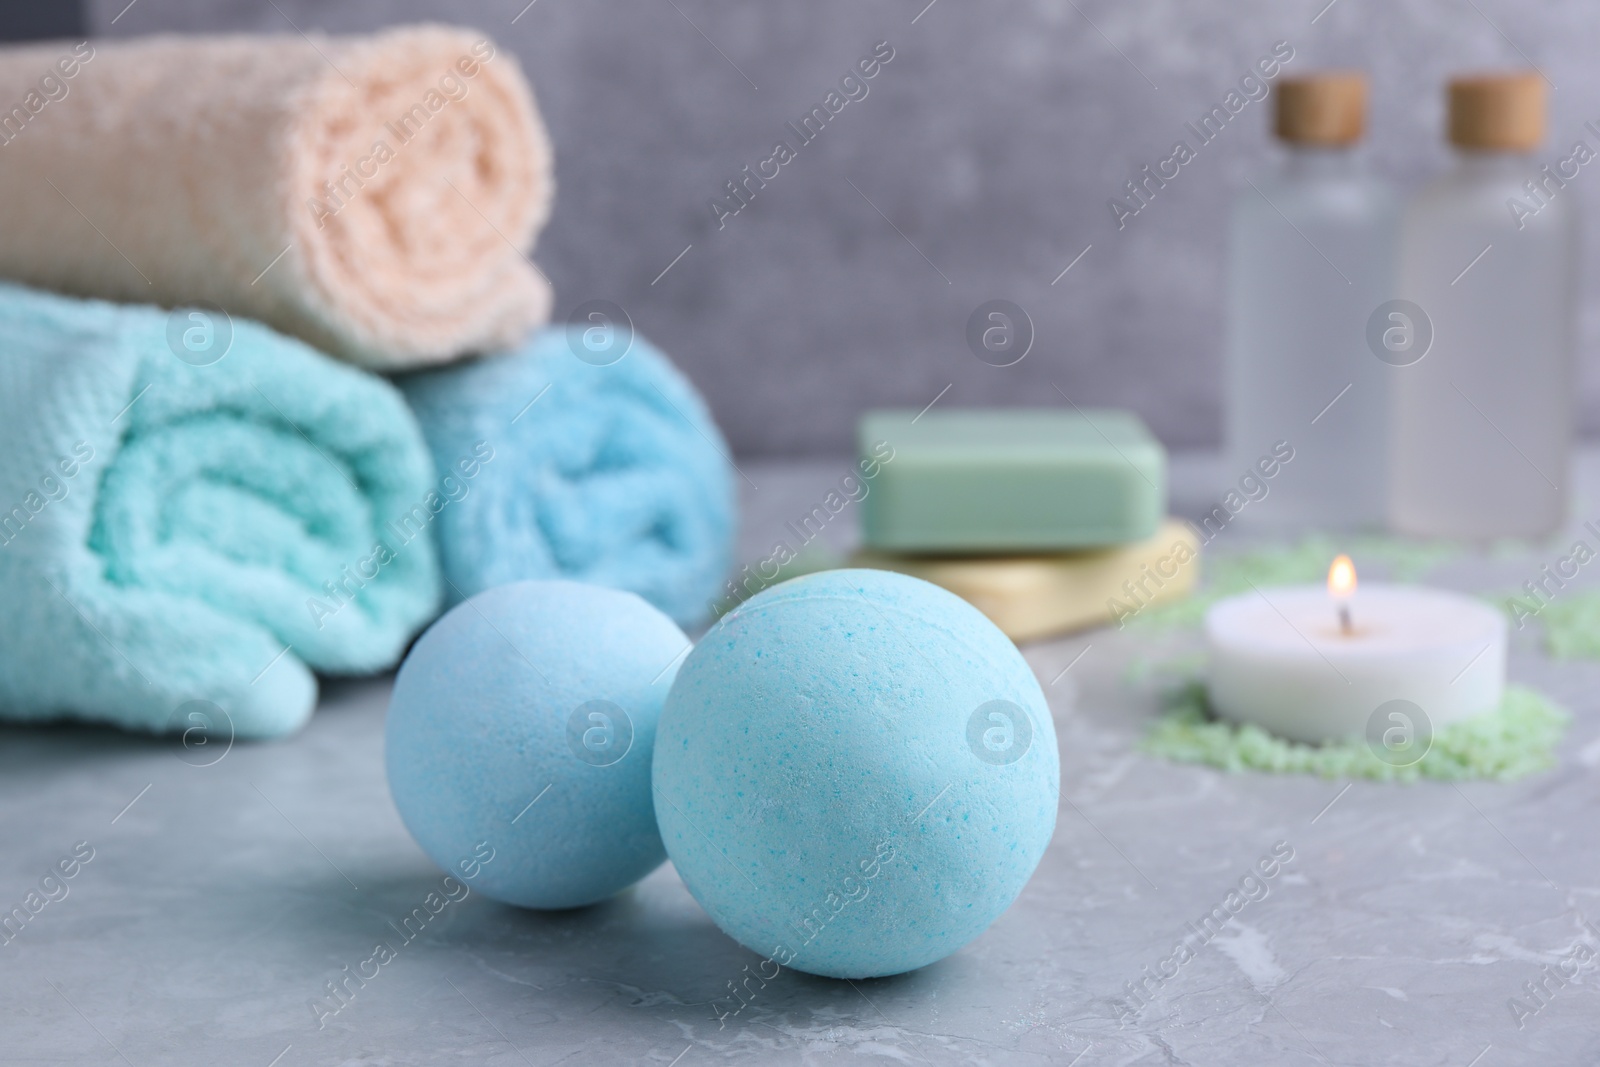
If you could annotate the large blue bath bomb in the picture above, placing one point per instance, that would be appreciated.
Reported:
(521, 728)
(855, 773)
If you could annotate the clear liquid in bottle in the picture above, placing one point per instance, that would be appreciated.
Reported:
(1483, 422)
(1311, 254)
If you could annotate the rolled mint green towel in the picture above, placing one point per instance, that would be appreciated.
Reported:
(604, 468)
(201, 529)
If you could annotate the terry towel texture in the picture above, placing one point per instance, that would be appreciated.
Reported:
(172, 533)
(613, 474)
(361, 193)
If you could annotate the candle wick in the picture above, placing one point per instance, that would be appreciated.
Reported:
(1344, 618)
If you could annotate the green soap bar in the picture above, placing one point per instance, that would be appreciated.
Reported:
(983, 480)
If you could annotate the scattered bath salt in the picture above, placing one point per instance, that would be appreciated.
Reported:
(1517, 739)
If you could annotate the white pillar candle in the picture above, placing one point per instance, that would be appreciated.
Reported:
(1281, 659)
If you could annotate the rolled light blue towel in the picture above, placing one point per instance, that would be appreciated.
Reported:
(181, 544)
(604, 469)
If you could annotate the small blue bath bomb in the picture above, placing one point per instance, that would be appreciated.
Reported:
(855, 773)
(521, 728)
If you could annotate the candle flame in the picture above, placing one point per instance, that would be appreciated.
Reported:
(1341, 578)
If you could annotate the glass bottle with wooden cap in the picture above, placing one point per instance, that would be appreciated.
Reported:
(1482, 421)
(1311, 253)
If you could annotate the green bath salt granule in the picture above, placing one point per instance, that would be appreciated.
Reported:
(1517, 739)
(1572, 626)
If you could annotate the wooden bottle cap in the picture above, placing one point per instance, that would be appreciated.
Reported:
(1326, 108)
(1498, 112)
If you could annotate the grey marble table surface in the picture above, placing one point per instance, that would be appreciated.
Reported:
(220, 896)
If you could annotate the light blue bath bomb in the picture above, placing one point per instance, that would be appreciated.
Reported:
(855, 773)
(521, 727)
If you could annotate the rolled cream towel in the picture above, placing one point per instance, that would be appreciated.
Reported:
(372, 195)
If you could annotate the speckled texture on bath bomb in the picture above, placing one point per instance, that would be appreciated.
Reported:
(542, 692)
(831, 783)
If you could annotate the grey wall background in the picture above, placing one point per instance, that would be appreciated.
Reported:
(23, 20)
(990, 144)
